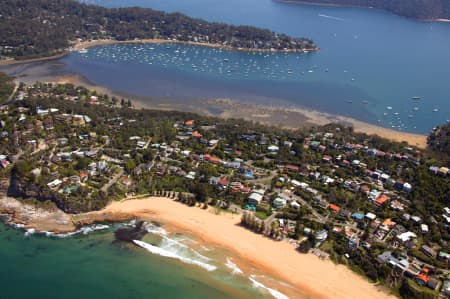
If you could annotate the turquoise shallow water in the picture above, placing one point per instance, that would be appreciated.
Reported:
(95, 266)
(370, 60)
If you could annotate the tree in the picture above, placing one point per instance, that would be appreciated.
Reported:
(129, 165)
(201, 192)
(22, 168)
(82, 163)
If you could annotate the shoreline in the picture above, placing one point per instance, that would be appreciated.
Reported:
(438, 20)
(292, 118)
(289, 118)
(284, 115)
(303, 275)
(101, 42)
(318, 278)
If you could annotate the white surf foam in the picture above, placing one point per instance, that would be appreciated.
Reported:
(180, 248)
(84, 230)
(29, 232)
(153, 229)
(276, 294)
(166, 253)
(235, 269)
(203, 247)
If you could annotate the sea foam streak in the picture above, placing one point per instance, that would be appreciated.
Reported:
(331, 17)
(233, 266)
(276, 294)
(173, 245)
(166, 253)
(84, 230)
(153, 229)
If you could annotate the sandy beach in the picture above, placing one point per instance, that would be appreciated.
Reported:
(319, 278)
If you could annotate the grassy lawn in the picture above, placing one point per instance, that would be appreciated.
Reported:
(261, 215)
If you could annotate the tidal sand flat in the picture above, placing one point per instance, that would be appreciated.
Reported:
(283, 114)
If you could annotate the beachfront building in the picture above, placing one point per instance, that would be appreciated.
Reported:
(279, 203)
(254, 198)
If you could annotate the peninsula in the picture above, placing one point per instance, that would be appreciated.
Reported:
(34, 29)
(378, 207)
(416, 9)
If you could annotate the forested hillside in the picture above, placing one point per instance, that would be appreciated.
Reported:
(417, 9)
(6, 87)
(44, 27)
(439, 142)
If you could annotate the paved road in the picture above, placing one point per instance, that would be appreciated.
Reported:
(303, 202)
(112, 181)
(269, 219)
(16, 86)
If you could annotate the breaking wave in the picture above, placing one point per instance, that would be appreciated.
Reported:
(84, 230)
(169, 254)
(234, 268)
(276, 294)
(154, 229)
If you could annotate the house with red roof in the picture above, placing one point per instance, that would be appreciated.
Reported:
(215, 160)
(381, 200)
(327, 159)
(293, 168)
(223, 182)
(196, 134)
(334, 208)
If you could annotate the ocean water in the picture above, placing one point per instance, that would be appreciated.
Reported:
(370, 65)
(97, 266)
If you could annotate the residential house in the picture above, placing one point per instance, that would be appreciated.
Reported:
(223, 183)
(428, 251)
(334, 208)
(54, 184)
(273, 148)
(214, 180)
(358, 216)
(444, 256)
(255, 198)
(445, 290)
(371, 216)
(291, 168)
(397, 206)
(279, 202)
(381, 200)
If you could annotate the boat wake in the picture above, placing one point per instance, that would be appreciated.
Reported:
(276, 294)
(330, 17)
(169, 254)
(234, 268)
